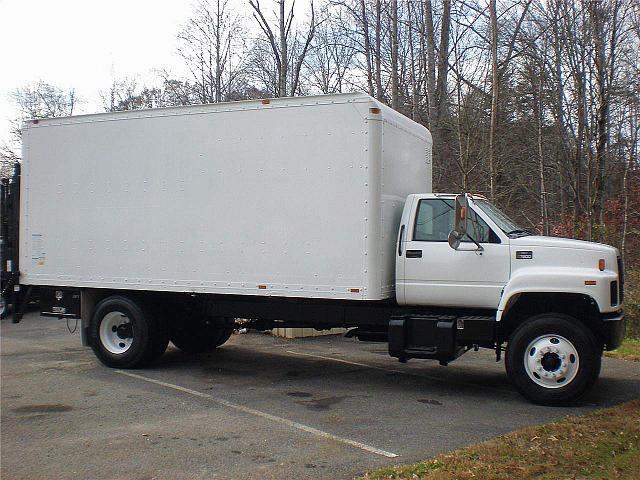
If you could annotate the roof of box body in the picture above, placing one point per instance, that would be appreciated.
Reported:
(339, 98)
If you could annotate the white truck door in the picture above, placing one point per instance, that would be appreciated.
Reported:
(436, 274)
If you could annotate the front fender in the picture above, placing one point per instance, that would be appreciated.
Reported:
(563, 280)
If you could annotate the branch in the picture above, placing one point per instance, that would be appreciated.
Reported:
(516, 32)
(312, 31)
(264, 26)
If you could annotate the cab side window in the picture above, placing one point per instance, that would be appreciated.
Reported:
(435, 219)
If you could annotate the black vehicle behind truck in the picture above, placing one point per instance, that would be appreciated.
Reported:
(9, 226)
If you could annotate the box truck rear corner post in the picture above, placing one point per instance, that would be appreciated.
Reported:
(172, 224)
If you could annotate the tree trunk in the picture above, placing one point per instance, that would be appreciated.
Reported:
(442, 104)
(493, 170)
(431, 64)
(218, 80)
(378, 50)
(597, 19)
(633, 158)
(563, 158)
(367, 46)
(282, 81)
(412, 59)
(544, 219)
(577, 168)
(394, 54)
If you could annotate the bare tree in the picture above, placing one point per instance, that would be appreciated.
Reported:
(431, 62)
(495, 89)
(41, 100)
(331, 56)
(211, 45)
(394, 54)
(126, 94)
(287, 47)
(443, 63)
(367, 45)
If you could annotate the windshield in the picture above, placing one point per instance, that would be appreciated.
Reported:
(505, 224)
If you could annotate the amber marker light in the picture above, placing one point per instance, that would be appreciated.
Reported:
(589, 282)
(601, 264)
(265, 101)
(262, 287)
(374, 110)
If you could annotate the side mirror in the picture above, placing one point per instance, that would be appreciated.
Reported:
(460, 225)
(454, 239)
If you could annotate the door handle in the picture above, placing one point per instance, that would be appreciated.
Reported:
(414, 253)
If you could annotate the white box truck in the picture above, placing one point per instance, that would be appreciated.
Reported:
(169, 224)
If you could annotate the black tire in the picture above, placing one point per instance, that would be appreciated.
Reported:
(588, 359)
(5, 307)
(147, 339)
(160, 337)
(199, 335)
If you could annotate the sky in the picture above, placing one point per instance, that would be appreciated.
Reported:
(83, 44)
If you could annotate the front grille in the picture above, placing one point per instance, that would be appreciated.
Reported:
(621, 278)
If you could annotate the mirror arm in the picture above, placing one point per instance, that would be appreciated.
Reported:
(480, 247)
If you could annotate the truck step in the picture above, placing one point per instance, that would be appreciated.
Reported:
(439, 337)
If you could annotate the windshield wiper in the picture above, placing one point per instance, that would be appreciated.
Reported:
(521, 232)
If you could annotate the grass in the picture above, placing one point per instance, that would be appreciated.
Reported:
(604, 444)
(629, 350)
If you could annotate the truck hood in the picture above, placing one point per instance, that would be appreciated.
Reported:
(550, 264)
(556, 242)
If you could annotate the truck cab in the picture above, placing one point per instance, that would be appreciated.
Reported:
(555, 302)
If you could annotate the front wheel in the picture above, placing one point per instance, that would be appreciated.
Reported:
(552, 359)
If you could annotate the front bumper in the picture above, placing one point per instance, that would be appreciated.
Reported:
(613, 328)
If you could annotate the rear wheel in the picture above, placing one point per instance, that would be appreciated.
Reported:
(124, 334)
(552, 359)
(199, 335)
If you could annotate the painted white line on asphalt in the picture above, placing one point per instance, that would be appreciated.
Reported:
(392, 370)
(373, 367)
(339, 360)
(268, 416)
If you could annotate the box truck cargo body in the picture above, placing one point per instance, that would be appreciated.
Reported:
(294, 198)
(183, 224)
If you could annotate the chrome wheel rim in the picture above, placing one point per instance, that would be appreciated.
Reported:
(551, 361)
(116, 333)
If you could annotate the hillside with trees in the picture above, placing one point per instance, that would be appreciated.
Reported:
(533, 103)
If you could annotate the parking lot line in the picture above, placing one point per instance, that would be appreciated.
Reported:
(268, 416)
(373, 367)
(392, 370)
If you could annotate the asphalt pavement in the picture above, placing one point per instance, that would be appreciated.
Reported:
(259, 407)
